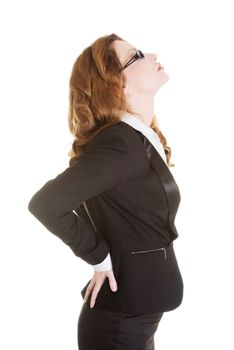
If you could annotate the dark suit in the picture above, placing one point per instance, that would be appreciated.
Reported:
(133, 199)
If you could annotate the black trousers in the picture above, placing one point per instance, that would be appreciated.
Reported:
(105, 330)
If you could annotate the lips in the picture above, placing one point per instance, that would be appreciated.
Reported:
(160, 67)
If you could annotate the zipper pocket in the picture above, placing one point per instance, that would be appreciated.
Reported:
(85, 205)
(151, 250)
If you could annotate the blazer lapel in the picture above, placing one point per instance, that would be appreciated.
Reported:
(170, 186)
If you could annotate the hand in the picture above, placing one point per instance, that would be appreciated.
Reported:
(96, 283)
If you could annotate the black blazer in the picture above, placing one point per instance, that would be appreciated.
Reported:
(132, 198)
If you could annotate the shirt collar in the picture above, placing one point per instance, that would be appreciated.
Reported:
(136, 123)
(152, 136)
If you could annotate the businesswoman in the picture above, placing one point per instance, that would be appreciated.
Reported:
(116, 203)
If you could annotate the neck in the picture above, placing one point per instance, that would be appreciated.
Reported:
(144, 106)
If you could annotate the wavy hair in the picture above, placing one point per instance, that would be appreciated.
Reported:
(96, 96)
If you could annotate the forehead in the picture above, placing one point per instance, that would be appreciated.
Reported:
(123, 49)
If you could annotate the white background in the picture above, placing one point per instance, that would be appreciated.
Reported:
(41, 278)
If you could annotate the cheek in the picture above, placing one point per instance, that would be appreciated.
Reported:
(146, 78)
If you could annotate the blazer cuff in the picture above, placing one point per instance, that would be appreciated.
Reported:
(97, 254)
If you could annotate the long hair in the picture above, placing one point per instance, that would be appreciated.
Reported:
(96, 96)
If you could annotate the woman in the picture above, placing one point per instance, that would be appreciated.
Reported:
(116, 203)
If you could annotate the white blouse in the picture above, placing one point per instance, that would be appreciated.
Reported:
(153, 137)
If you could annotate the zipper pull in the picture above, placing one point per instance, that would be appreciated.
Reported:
(165, 253)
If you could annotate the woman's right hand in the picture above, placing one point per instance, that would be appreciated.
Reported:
(96, 284)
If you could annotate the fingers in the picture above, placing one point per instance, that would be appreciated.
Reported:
(94, 287)
(88, 290)
(96, 284)
(94, 294)
(112, 281)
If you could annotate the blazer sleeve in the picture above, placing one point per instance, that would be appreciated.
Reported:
(105, 162)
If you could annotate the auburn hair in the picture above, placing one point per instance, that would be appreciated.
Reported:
(96, 96)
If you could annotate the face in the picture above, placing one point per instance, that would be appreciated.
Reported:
(142, 76)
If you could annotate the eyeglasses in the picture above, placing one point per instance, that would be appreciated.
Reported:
(138, 54)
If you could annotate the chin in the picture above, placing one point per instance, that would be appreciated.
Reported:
(166, 76)
(164, 79)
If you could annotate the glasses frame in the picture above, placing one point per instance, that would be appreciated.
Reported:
(138, 54)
